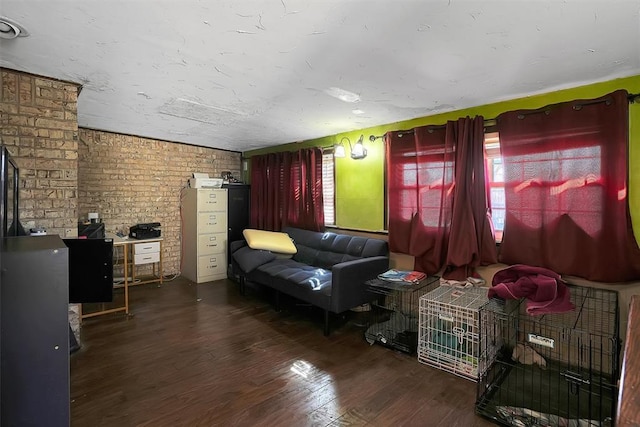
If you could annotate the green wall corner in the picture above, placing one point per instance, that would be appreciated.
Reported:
(359, 200)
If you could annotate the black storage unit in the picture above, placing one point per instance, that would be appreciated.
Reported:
(239, 204)
(554, 369)
(90, 270)
(34, 360)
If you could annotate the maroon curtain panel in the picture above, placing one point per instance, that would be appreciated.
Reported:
(419, 188)
(472, 241)
(266, 180)
(286, 189)
(565, 169)
(439, 223)
(306, 205)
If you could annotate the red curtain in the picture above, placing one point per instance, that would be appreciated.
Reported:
(565, 172)
(286, 190)
(439, 223)
(472, 241)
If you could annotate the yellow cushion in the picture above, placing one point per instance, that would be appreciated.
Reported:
(269, 241)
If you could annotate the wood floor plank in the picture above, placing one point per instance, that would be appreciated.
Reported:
(207, 356)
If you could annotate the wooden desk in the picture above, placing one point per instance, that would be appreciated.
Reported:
(135, 252)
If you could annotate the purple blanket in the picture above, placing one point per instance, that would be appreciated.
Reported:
(544, 290)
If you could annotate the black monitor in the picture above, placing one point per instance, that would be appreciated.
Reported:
(91, 230)
(9, 196)
(90, 270)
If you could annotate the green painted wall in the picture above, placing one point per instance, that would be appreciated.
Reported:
(360, 183)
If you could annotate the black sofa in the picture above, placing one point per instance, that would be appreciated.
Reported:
(328, 270)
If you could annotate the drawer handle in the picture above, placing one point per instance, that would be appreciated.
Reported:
(148, 247)
(147, 257)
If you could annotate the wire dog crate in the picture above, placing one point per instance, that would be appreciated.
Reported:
(394, 312)
(452, 337)
(554, 369)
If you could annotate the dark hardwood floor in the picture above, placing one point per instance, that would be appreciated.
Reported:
(229, 359)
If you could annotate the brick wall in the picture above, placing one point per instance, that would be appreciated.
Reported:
(38, 124)
(66, 172)
(125, 179)
(129, 180)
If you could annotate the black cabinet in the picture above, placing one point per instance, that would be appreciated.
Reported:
(238, 214)
(34, 357)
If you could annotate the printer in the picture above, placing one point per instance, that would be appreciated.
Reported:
(202, 180)
(145, 231)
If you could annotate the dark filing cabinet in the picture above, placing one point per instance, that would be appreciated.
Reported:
(238, 215)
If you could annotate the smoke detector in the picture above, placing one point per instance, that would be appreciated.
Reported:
(10, 29)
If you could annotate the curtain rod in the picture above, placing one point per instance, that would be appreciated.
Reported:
(632, 97)
(487, 123)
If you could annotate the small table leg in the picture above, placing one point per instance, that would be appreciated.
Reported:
(126, 279)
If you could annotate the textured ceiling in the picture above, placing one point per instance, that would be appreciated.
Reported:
(246, 74)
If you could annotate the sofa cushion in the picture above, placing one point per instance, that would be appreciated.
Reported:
(327, 249)
(298, 274)
(269, 240)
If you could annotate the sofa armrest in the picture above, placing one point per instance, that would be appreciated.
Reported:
(347, 288)
(249, 259)
(237, 244)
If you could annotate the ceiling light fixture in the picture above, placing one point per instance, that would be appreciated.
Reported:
(10, 29)
(343, 95)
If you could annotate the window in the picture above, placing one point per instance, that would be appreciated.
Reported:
(328, 188)
(557, 171)
(495, 176)
(566, 169)
(546, 186)
(434, 176)
(419, 184)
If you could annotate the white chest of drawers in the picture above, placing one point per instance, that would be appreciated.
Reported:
(146, 253)
(204, 234)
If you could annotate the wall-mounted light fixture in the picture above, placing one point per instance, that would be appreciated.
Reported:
(358, 151)
(338, 149)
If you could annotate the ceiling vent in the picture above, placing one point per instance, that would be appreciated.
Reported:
(10, 29)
